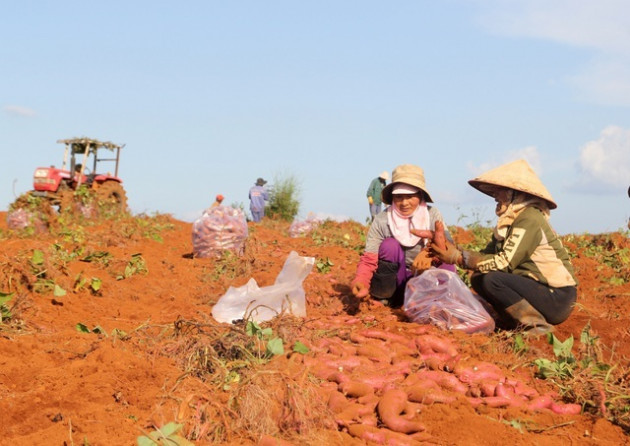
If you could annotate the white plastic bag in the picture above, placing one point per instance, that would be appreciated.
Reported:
(439, 297)
(302, 227)
(21, 219)
(262, 304)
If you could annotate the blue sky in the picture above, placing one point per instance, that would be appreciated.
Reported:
(209, 95)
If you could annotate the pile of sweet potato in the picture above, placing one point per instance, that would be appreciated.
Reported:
(378, 382)
(221, 228)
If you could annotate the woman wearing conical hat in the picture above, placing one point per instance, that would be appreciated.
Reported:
(524, 272)
(397, 237)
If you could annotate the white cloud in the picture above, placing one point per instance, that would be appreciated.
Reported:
(605, 162)
(17, 110)
(529, 154)
(602, 26)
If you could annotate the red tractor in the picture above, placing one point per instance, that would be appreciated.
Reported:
(58, 185)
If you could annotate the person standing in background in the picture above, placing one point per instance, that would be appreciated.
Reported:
(374, 194)
(217, 201)
(257, 198)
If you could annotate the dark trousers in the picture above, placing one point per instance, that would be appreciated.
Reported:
(390, 279)
(502, 290)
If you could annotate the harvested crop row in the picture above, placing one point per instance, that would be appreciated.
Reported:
(380, 381)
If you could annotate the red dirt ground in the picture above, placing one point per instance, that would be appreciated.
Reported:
(60, 386)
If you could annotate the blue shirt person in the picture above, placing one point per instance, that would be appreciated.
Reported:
(257, 198)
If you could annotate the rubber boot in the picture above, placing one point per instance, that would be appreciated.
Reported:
(529, 318)
(383, 285)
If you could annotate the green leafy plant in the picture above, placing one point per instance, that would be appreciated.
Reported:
(347, 234)
(227, 265)
(167, 435)
(102, 257)
(136, 265)
(152, 227)
(298, 347)
(324, 265)
(519, 346)
(82, 328)
(564, 363)
(5, 311)
(284, 201)
(94, 284)
(274, 345)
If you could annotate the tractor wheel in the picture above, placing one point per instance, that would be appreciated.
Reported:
(111, 197)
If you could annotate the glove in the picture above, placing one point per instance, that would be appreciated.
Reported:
(450, 254)
(470, 259)
(422, 262)
(360, 290)
(370, 200)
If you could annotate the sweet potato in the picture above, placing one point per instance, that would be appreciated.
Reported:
(445, 380)
(497, 401)
(428, 395)
(488, 388)
(338, 377)
(539, 403)
(334, 346)
(420, 382)
(399, 349)
(439, 237)
(430, 344)
(352, 413)
(355, 389)
(390, 408)
(375, 352)
(387, 336)
(369, 400)
(374, 435)
(475, 375)
(566, 409)
(522, 389)
(367, 433)
(419, 329)
(345, 363)
(268, 440)
(504, 390)
(380, 381)
(503, 401)
(358, 338)
(337, 401)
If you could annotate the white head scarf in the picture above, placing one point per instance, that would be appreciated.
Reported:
(400, 225)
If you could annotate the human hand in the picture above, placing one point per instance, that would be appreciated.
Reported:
(370, 200)
(422, 262)
(449, 254)
(360, 290)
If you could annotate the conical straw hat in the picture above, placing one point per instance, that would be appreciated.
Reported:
(517, 175)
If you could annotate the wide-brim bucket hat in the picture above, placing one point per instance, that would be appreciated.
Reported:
(517, 175)
(407, 174)
(260, 182)
(384, 175)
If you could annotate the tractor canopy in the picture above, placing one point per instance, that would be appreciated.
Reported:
(88, 148)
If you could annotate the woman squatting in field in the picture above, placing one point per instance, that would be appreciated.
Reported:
(397, 238)
(524, 272)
